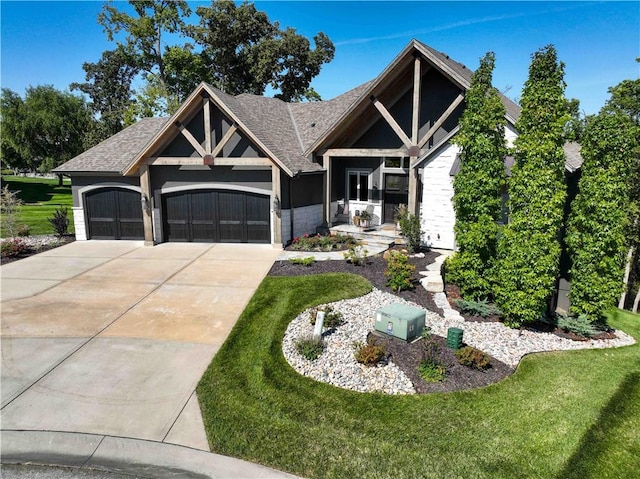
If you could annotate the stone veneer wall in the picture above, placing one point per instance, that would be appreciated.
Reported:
(79, 223)
(306, 220)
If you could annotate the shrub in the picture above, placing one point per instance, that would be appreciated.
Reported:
(308, 261)
(14, 247)
(369, 353)
(477, 308)
(399, 271)
(322, 243)
(411, 230)
(431, 368)
(23, 231)
(9, 204)
(332, 318)
(310, 348)
(473, 358)
(433, 373)
(60, 221)
(580, 325)
(356, 255)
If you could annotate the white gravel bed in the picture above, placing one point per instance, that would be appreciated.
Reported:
(38, 241)
(337, 364)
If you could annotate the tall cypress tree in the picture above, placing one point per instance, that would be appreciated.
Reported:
(478, 185)
(529, 248)
(600, 214)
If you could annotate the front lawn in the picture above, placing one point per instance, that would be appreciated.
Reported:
(561, 415)
(41, 196)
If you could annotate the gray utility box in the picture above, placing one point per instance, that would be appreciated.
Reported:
(400, 320)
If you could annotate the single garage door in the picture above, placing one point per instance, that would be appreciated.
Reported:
(114, 213)
(216, 216)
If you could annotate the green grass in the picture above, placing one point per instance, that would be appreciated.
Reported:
(561, 415)
(41, 198)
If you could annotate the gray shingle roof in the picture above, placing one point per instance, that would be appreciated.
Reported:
(115, 153)
(286, 130)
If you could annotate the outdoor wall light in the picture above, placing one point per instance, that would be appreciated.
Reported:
(276, 204)
(144, 201)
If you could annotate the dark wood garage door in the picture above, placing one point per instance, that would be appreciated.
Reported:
(216, 216)
(114, 213)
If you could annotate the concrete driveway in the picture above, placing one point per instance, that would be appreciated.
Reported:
(111, 337)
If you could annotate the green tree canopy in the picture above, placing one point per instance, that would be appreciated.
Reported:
(479, 183)
(529, 248)
(45, 129)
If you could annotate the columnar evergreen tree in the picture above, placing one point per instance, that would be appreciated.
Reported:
(479, 183)
(600, 214)
(529, 249)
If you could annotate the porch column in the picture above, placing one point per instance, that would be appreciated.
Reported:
(276, 201)
(413, 187)
(147, 221)
(326, 162)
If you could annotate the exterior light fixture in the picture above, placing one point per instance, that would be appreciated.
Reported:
(276, 204)
(144, 202)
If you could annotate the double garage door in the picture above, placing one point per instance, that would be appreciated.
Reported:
(216, 216)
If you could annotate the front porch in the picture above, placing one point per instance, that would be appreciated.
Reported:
(385, 233)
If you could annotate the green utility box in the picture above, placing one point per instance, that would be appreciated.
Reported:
(400, 320)
(454, 338)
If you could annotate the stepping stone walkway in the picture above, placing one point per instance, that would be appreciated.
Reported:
(432, 280)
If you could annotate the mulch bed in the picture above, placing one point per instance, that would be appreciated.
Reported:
(408, 356)
(64, 240)
(373, 270)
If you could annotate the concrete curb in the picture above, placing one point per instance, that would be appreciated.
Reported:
(125, 456)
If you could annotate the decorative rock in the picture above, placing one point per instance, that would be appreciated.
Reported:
(337, 364)
(433, 282)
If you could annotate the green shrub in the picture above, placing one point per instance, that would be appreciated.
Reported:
(310, 348)
(322, 243)
(308, 261)
(356, 255)
(473, 358)
(60, 221)
(476, 308)
(14, 247)
(411, 230)
(370, 353)
(23, 231)
(399, 271)
(433, 373)
(580, 325)
(332, 318)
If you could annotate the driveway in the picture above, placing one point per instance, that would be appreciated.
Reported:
(111, 337)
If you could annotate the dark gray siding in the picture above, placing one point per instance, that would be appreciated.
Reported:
(304, 190)
(172, 176)
(78, 182)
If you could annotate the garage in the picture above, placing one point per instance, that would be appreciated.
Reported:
(216, 216)
(114, 213)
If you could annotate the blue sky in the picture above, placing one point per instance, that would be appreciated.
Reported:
(47, 42)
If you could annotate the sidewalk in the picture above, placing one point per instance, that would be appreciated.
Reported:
(125, 456)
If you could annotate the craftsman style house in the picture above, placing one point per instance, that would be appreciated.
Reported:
(248, 168)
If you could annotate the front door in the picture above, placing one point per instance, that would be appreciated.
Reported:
(396, 192)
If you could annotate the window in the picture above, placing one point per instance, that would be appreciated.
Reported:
(396, 163)
(358, 184)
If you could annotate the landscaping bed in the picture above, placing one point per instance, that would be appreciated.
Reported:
(31, 245)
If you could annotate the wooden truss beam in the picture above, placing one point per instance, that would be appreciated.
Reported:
(427, 136)
(225, 139)
(392, 122)
(415, 120)
(207, 124)
(191, 139)
(368, 152)
(191, 161)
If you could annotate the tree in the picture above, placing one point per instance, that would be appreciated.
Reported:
(625, 97)
(244, 52)
(48, 128)
(529, 249)
(479, 183)
(12, 139)
(600, 215)
(108, 86)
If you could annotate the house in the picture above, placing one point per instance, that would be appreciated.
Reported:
(248, 168)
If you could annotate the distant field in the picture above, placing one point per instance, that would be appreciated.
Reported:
(41, 196)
